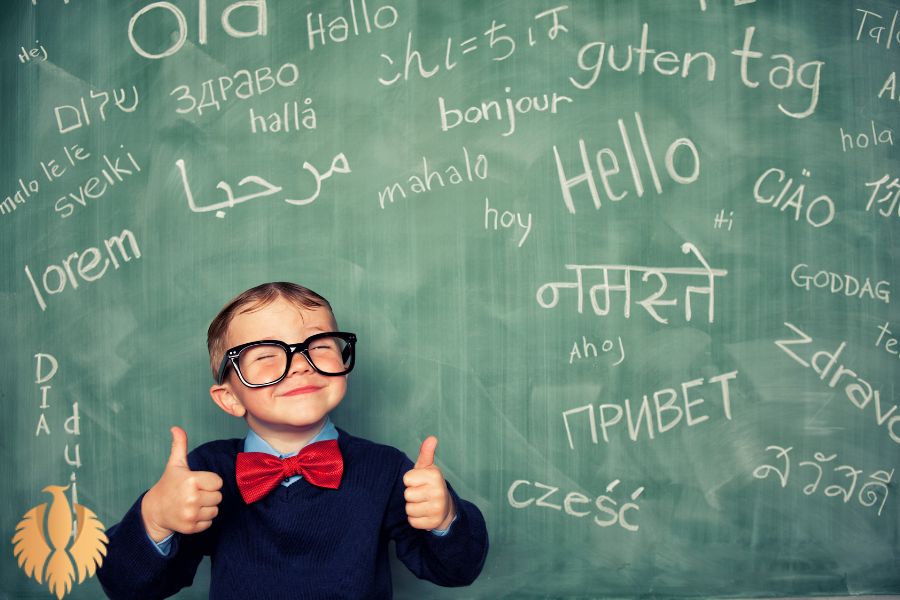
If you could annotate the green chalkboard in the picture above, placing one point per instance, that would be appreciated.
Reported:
(633, 263)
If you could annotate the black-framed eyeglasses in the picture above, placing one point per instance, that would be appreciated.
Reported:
(267, 362)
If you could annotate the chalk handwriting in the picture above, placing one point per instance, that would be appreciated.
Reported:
(265, 188)
(497, 42)
(339, 31)
(876, 28)
(663, 414)
(720, 220)
(29, 54)
(736, 3)
(858, 391)
(840, 283)
(214, 92)
(862, 139)
(608, 166)
(420, 184)
(72, 115)
(875, 489)
(891, 196)
(291, 118)
(587, 350)
(890, 344)
(820, 210)
(890, 87)
(261, 28)
(524, 494)
(46, 367)
(52, 169)
(548, 294)
(490, 110)
(593, 56)
(113, 173)
(494, 219)
(89, 266)
(782, 76)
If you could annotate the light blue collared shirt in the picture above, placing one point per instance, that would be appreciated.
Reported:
(254, 443)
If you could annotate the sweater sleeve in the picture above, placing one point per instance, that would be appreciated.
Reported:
(134, 567)
(452, 560)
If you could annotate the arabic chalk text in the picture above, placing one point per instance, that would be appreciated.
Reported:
(890, 198)
(265, 188)
(863, 139)
(548, 294)
(494, 219)
(847, 477)
(339, 28)
(214, 92)
(820, 210)
(668, 408)
(525, 494)
(491, 110)
(112, 172)
(586, 351)
(90, 265)
(608, 166)
(840, 283)
(290, 118)
(498, 41)
(177, 40)
(858, 390)
(468, 172)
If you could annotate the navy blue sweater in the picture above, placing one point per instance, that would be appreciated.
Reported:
(300, 541)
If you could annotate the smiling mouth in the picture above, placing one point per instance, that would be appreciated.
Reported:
(307, 389)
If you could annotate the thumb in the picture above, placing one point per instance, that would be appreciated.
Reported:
(426, 452)
(178, 454)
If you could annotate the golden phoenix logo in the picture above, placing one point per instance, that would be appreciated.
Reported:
(86, 552)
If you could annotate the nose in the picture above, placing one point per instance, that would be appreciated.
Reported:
(299, 364)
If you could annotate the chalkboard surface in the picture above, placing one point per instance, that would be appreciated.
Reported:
(633, 263)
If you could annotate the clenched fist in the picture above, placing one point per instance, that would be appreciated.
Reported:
(428, 502)
(182, 500)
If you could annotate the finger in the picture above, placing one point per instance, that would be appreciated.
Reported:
(421, 522)
(208, 481)
(416, 494)
(209, 498)
(178, 453)
(207, 513)
(200, 526)
(426, 452)
(420, 509)
(418, 477)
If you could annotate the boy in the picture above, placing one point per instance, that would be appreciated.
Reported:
(298, 509)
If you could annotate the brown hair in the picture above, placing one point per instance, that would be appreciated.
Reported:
(253, 299)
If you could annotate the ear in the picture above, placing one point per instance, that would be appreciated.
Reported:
(227, 400)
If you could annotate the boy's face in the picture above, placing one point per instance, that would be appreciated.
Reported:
(299, 403)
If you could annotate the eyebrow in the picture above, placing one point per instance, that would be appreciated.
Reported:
(313, 329)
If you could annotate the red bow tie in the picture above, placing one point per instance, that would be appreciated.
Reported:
(259, 473)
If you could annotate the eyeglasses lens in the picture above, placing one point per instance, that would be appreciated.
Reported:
(265, 363)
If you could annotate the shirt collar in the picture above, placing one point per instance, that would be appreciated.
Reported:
(254, 443)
